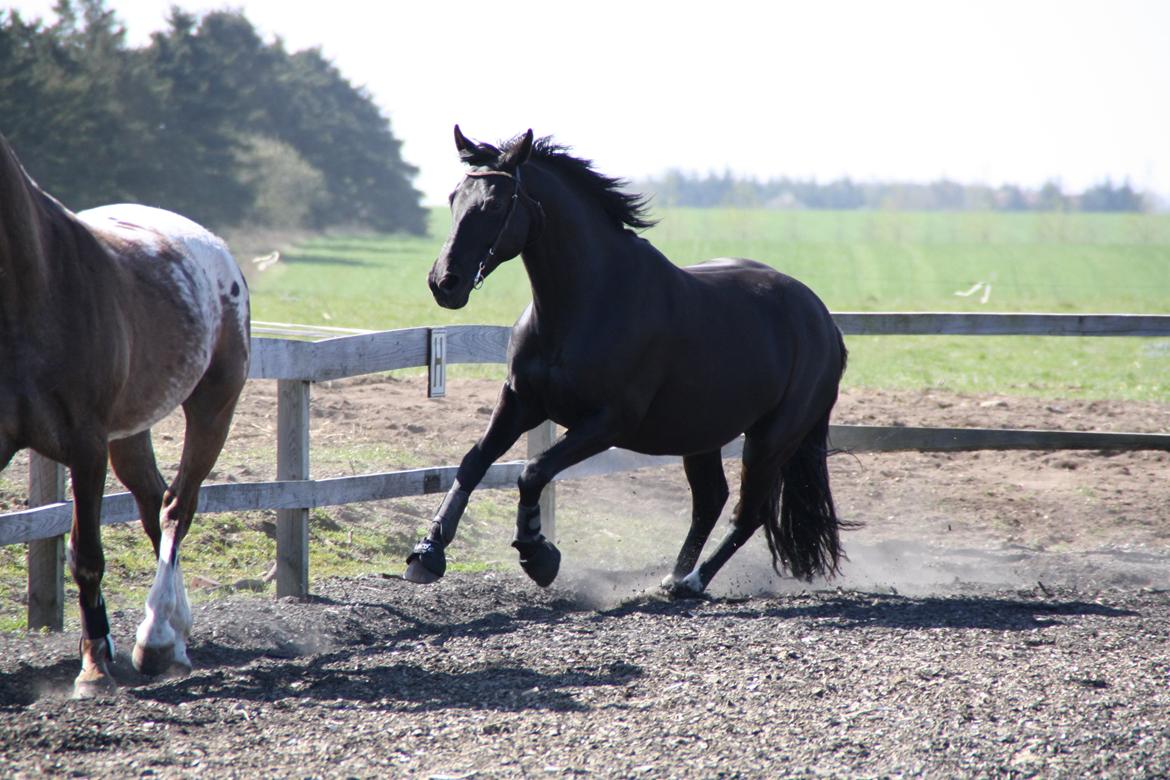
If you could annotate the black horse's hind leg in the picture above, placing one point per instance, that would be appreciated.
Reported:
(87, 564)
(767, 446)
(510, 419)
(708, 497)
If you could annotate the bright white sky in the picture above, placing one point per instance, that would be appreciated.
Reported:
(987, 91)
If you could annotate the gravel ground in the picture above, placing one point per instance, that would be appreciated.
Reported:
(1001, 614)
(487, 676)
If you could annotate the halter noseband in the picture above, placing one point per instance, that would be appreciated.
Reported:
(491, 253)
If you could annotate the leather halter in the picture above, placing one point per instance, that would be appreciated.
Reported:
(481, 274)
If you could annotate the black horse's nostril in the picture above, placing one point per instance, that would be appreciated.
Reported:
(448, 282)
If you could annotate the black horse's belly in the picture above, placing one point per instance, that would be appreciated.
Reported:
(699, 419)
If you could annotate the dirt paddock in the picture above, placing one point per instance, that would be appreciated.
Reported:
(1001, 614)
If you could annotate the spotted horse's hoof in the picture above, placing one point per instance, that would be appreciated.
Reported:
(96, 679)
(160, 661)
(426, 563)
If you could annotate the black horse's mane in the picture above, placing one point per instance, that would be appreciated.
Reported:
(625, 208)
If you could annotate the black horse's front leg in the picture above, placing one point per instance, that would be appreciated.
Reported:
(427, 562)
(512, 417)
(539, 557)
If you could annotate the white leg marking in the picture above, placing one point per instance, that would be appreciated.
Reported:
(181, 619)
(155, 630)
(693, 582)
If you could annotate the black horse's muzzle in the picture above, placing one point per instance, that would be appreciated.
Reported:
(449, 289)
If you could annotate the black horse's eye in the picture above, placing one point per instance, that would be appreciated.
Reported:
(492, 205)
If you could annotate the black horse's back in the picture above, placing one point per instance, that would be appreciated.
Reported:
(734, 341)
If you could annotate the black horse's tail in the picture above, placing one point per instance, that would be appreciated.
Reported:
(800, 520)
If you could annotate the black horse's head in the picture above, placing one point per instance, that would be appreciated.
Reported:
(491, 218)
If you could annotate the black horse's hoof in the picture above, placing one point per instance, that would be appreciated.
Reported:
(540, 559)
(425, 564)
(689, 587)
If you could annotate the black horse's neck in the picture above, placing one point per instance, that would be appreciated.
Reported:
(572, 258)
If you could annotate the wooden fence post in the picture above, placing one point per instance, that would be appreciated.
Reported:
(292, 462)
(540, 439)
(46, 557)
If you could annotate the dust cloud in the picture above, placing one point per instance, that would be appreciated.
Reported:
(883, 565)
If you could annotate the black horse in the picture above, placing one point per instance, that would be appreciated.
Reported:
(624, 349)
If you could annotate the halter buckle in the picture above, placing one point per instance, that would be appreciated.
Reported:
(481, 274)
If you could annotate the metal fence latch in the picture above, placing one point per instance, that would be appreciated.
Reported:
(437, 364)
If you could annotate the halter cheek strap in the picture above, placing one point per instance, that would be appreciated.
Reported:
(484, 269)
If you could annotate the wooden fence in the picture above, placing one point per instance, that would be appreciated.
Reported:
(295, 365)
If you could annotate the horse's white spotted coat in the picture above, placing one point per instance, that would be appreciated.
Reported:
(201, 280)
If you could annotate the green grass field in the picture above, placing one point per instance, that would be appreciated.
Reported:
(857, 261)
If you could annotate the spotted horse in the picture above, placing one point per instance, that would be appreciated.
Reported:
(109, 319)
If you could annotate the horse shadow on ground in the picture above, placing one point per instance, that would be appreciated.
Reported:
(29, 684)
(399, 687)
(349, 672)
(344, 673)
(850, 610)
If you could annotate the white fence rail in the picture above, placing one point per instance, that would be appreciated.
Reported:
(296, 364)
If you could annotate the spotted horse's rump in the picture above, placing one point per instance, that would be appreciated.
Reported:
(109, 319)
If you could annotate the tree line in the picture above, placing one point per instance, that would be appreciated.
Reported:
(208, 120)
(677, 188)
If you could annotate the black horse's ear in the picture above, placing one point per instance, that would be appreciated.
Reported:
(462, 143)
(467, 148)
(518, 153)
(473, 153)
